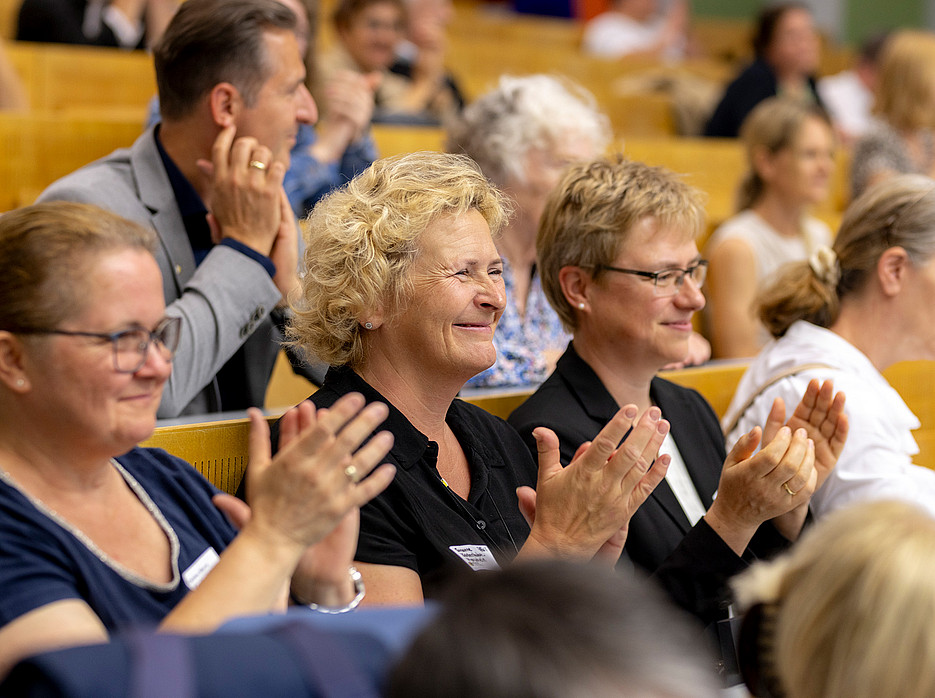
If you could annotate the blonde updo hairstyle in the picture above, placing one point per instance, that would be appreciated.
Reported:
(589, 215)
(849, 612)
(898, 212)
(772, 126)
(362, 239)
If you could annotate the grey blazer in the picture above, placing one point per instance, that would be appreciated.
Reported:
(223, 304)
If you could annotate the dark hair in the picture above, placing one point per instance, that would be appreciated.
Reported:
(768, 21)
(346, 10)
(898, 212)
(47, 252)
(213, 41)
(548, 628)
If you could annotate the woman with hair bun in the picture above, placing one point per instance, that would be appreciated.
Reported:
(848, 313)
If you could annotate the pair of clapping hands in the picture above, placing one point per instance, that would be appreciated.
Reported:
(583, 510)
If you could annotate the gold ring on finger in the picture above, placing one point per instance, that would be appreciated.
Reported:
(351, 472)
(258, 165)
(785, 486)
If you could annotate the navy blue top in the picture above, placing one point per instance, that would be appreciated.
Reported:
(42, 561)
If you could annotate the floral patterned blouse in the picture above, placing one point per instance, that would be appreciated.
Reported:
(522, 342)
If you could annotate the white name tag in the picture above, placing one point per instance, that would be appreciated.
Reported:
(199, 569)
(477, 557)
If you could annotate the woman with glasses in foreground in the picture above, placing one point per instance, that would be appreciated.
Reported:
(97, 535)
(619, 264)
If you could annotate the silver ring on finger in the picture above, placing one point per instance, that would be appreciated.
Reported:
(256, 164)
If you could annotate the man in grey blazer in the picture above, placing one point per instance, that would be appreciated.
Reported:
(208, 180)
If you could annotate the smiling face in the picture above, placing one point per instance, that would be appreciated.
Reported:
(87, 401)
(283, 102)
(372, 35)
(801, 173)
(445, 332)
(635, 328)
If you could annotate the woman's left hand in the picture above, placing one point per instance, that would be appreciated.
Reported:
(821, 413)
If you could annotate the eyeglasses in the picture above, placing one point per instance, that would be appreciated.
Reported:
(131, 347)
(668, 281)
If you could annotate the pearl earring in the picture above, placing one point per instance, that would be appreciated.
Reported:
(20, 382)
(581, 306)
(368, 325)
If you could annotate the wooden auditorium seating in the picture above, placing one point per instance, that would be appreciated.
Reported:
(394, 139)
(39, 148)
(716, 381)
(219, 450)
(84, 103)
(84, 79)
(913, 380)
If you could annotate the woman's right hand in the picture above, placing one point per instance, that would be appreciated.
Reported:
(303, 493)
(585, 507)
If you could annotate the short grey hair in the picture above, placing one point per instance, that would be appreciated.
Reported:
(522, 113)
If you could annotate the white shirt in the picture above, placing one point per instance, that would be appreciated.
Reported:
(680, 482)
(876, 462)
(613, 35)
(771, 250)
(848, 101)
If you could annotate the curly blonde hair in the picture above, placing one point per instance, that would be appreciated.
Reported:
(361, 241)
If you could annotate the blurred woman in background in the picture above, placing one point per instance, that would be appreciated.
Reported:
(902, 139)
(790, 151)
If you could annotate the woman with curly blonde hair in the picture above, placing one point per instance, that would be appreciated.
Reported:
(402, 295)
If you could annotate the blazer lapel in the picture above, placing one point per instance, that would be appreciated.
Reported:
(600, 406)
(156, 193)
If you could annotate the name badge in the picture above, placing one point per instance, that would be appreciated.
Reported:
(199, 569)
(477, 557)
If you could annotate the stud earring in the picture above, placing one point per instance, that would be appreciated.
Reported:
(20, 382)
(581, 306)
(368, 325)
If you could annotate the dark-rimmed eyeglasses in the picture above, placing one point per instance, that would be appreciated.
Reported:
(667, 282)
(131, 347)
